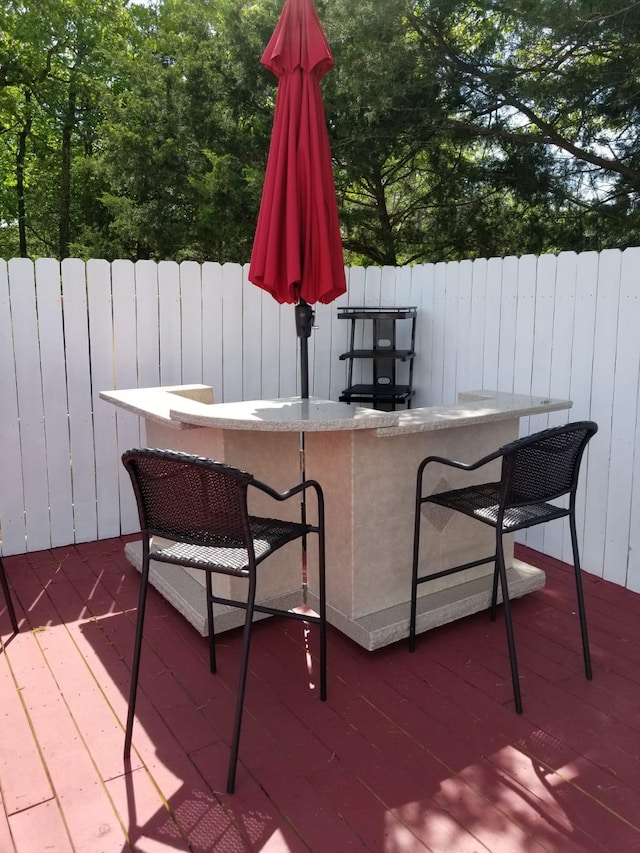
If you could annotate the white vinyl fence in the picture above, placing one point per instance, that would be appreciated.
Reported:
(563, 326)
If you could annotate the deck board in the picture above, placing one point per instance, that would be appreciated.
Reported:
(410, 752)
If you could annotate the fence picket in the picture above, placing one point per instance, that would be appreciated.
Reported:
(525, 329)
(320, 367)
(604, 362)
(624, 422)
(11, 480)
(508, 320)
(463, 324)
(543, 334)
(491, 342)
(28, 373)
(338, 378)
(557, 536)
(100, 308)
(477, 327)
(582, 369)
(438, 341)
(59, 394)
(147, 324)
(450, 332)
(422, 298)
(289, 355)
(170, 321)
(129, 430)
(80, 428)
(212, 328)
(191, 321)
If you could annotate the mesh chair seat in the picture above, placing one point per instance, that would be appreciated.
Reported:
(228, 556)
(483, 503)
(536, 470)
(201, 507)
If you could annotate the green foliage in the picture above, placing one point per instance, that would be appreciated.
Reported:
(553, 76)
(459, 128)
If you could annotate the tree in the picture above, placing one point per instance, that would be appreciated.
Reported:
(185, 141)
(558, 75)
(458, 127)
(55, 62)
(412, 186)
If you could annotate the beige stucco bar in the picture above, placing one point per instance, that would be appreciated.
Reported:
(366, 461)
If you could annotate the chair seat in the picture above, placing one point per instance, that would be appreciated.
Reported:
(230, 557)
(482, 503)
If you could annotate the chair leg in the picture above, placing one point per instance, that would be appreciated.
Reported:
(7, 595)
(506, 603)
(242, 683)
(210, 625)
(494, 592)
(414, 571)
(135, 667)
(581, 609)
(322, 595)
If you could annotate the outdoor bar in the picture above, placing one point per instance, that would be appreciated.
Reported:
(366, 462)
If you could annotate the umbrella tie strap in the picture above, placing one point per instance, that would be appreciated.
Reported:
(304, 319)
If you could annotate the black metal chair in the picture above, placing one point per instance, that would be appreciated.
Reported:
(535, 470)
(7, 594)
(202, 506)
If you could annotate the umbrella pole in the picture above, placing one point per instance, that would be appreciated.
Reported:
(303, 519)
(304, 321)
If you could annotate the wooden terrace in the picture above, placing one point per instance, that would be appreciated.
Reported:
(409, 753)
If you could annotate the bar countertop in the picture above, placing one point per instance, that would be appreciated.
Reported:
(473, 407)
(191, 406)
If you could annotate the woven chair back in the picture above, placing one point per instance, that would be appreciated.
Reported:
(190, 499)
(545, 465)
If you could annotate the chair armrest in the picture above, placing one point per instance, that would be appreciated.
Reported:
(463, 466)
(452, 463)
(294, 490)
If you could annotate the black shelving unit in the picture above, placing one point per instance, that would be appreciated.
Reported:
(386, 391)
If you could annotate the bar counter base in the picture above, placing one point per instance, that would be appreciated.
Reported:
(371, 632)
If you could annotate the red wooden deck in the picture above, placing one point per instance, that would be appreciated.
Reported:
(409, 753)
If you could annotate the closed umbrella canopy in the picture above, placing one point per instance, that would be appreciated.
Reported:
(297, 251)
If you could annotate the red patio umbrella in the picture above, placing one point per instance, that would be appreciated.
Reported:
(297, 251)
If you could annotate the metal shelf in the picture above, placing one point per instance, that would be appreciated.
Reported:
(385, 392)
(376, 393)
(365, 313)
(398, 354)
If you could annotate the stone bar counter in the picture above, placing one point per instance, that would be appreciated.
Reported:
(366, 462)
